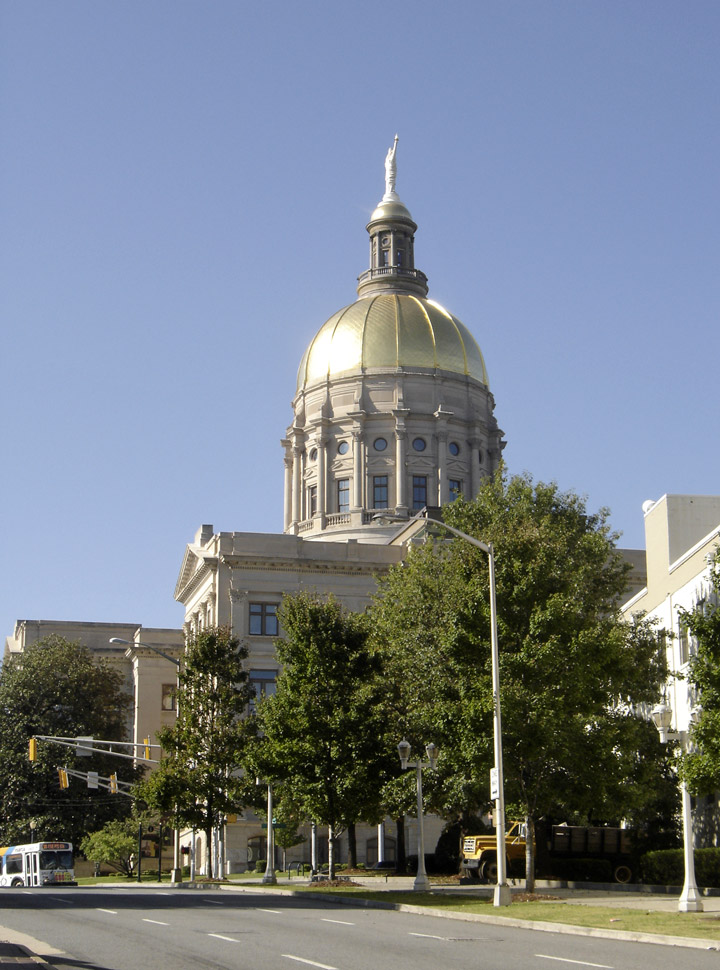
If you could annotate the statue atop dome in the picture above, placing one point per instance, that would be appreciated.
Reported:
(390, 173)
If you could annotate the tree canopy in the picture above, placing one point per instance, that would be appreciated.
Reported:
(570, 669)
(701, 767)
(202, 777)
(323, 731)
(56, 688)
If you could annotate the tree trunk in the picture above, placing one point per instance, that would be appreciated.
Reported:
(529, 854)
(331, 851)
(208, 852)
(352, 846)
(400, 858)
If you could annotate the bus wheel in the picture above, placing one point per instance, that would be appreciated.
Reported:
(16, 882)
(622, 874)
(474, 874)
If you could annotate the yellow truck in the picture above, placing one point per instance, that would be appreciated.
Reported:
(479, 852)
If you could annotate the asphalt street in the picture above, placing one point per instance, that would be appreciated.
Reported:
(168, 929)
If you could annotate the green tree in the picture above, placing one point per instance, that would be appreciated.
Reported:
(56, 688)
(570, 670)
(114, 845)
(201, 779)
(323, 730)
(701, 767)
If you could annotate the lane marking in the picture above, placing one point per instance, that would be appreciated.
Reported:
(312, 963)
(113, 912)
(429, 936)
(343, 922)
(213, 902)
(59, 899)
(581, 963)
(219, 936)
(157, 921)
(278, 912)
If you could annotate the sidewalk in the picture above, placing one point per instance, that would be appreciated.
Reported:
(12, 955)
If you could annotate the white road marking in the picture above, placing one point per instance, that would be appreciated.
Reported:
(278, 912)
(312, 963)
(157, 921)
(59, 899)
(429, 936)
(213, 902)
(113, 912)
(343, 922)
(581, 963)
(219, 936)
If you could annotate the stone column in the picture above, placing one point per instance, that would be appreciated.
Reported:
(358, 470)
(400, 473)
(474, 466)
(238, 620)
(296, 484)
(322, 478)
(288, 495)
(443, 495)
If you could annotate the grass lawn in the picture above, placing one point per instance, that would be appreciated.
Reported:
(698, 925)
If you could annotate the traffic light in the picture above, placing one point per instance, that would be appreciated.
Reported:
(113, 784)
(63, 777)
(32, 752)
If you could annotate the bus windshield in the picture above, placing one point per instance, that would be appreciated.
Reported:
(62, 859)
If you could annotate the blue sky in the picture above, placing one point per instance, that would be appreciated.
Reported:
(184, 192)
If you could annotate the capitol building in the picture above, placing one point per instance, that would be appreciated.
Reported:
(392, 413)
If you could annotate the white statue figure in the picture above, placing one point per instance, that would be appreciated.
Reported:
(391, 171)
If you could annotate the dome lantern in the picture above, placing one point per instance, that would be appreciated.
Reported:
(392, 243)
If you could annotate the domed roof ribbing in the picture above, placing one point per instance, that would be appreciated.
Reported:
(391, 331)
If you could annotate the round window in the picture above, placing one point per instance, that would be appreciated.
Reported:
(343, 448)
(454, 448)
(380, 444)
(419, 444)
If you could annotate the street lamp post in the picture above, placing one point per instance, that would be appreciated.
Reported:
(689, 901)
(421, 880)
(269, 879)
(502, 895)
(176, 874)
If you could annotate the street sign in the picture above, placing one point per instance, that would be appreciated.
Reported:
(92, 779)
(494, 784)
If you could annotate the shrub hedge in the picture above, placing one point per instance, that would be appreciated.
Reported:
(666, 867)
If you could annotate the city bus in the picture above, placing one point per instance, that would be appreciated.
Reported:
(37, 864)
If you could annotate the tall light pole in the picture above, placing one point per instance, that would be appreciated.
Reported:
(689, 901)
(502, 895)
(176, 874)
(421, 880)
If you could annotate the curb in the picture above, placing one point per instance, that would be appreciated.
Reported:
(695, 943)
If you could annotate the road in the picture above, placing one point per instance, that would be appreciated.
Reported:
(166, 929)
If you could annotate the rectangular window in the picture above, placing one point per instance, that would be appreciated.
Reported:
(419, 491)
(263, 619)
(343, 491)
(399, 257)
(385, 257)
(312, 501)
(455, 488)
(380, 491)
(168, 697)
(263, 684)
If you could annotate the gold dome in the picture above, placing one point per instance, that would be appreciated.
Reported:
(391, 330)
